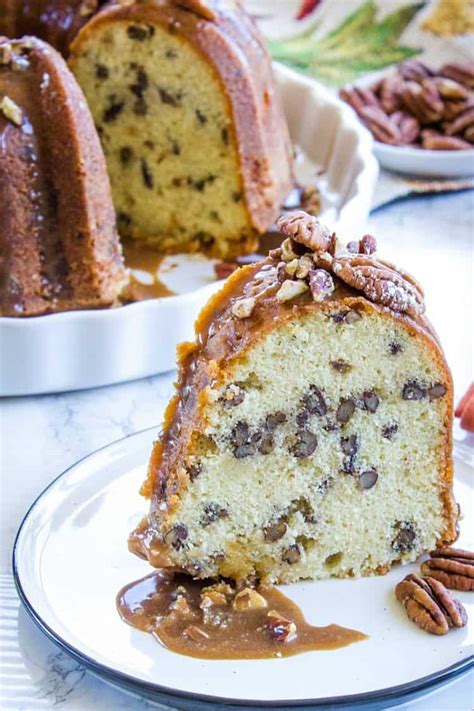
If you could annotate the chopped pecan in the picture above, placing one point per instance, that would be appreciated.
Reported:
(282, 629)
(310, 200)
(453, 567)
(321, 284)
(306, 230)
(11, 111)
(462, 72)
(290, 290)
(367, 245)
(243, 308)
(408, 125)
(381, 283)
(287, 252)
(304, 265)
(249, 599)
(380, 125)
(429, 605)
(6, 53)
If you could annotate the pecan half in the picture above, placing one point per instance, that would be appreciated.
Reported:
(469, 134)
(435, 141)
(462, 72)
(390, 93)
(454, 108)
(460, 123)
(305, 229)
(423, 101)
(408, 125)
(358, 97)
(381, 283)
(429, 605)
(453, 567)
(450, 89)
(414, 70)
(380, 126)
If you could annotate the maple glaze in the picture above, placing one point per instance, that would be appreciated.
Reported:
(150, 604)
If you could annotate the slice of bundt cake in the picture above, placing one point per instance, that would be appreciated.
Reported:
(310, 435)
(196, 144)
(60, 249)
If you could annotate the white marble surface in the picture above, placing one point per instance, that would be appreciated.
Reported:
(42, 436)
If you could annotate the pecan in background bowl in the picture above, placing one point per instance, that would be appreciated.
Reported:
(422, 119)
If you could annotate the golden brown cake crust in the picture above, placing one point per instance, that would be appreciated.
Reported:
(221, 338)
(59, 243)
(228, 39)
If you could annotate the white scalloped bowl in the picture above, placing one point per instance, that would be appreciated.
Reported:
(85, 349)
(425, 163)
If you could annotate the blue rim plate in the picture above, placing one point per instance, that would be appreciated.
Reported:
(70, 559)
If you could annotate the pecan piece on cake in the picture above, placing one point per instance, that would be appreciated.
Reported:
(430, 605)
(453, 567)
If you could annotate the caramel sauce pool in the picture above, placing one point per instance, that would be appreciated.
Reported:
(145, 259)
(177, 611)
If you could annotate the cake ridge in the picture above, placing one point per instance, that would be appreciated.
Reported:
(61, 249)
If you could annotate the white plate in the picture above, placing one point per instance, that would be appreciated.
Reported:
(71, 558)
(424, 163)
(85, 349)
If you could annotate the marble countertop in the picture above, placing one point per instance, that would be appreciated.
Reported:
(41, 436)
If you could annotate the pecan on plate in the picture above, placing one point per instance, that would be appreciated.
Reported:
(380, 125)
(453, 567)
(462, 72)
(381, 283)
(429, 605)
(460, 123)
(358, 97)
(414, 70)
(409, 126)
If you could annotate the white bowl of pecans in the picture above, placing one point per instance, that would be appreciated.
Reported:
(422, 119)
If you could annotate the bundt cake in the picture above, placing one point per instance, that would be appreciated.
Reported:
(59, 245)
(310, 435)
(183, 98)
